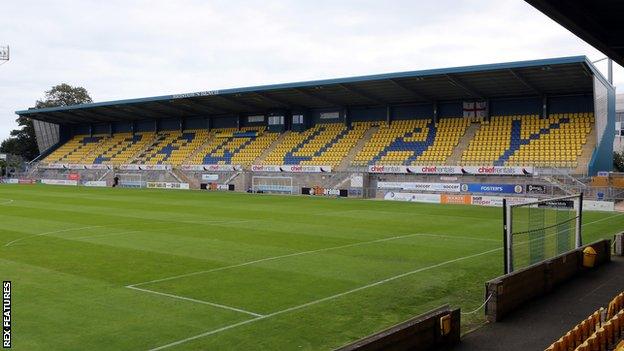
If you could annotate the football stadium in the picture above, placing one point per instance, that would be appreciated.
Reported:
(396, 211)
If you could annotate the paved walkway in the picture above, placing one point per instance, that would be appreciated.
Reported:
(539, 323)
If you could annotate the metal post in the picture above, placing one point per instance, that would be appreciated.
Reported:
(579, 223)
(544, 107)
(509, 238)
(610, 71)
(505, 263)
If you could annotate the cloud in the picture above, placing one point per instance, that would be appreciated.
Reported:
(125, 49)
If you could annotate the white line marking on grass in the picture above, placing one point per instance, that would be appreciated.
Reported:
(232, 326)
(113, 234)
(215, 222)
(603, 219)
(309, 252)
(197, 301)
(7, 202)
(52, 232)
(380, 282)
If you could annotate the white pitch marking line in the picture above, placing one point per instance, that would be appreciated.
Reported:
(7, 202)
(380, 282)
(231, 326)
(309, 252)
(52, 232)
(196, 301)
(603, 219)
(216, 222)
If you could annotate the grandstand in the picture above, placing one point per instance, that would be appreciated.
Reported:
(554, 115)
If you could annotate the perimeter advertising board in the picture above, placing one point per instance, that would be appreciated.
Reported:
(492, 188)
(448, 170)
(291, 168)
(416, 186)
(212, 168)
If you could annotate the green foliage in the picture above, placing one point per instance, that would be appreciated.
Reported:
(22, 141)
(64, 95)
(366, 265)
(618, 161)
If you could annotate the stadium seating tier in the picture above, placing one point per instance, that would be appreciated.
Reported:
(519, 140)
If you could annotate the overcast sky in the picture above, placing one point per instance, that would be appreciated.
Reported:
(127, 49)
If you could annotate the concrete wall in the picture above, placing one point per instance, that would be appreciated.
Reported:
(417, 334)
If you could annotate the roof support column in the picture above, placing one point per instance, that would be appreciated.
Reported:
(110, 129)
(239, 121)
(156, 126)
(544, 107)
(181, 124)
(133, 127)
(487, 110)
(90, 130)
(388, 114)
(209, 123)
(347, 117)
(435, 112)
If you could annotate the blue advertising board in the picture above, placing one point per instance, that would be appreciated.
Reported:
(492, 188)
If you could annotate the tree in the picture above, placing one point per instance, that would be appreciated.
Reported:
(22, 141)
(64, 95)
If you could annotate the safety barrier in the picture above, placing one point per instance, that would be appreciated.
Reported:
(508, 292)
(438, 329)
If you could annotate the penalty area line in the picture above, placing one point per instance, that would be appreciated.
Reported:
(52, 232)
(300, 253)
(311, 303)
(196, 301)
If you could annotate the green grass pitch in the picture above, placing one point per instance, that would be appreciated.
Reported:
(126, 269)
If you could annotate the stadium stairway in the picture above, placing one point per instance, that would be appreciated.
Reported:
(464, 142)
(75, 149)
(200, 150)
(348, 160)
(271, 147)
(92, 155)
(194, 183)
(147, 144)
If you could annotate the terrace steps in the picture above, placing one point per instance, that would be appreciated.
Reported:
(138, 153)
(271, 147)
(107, 141)
(200, 149)
(348, 160)
(463, 144)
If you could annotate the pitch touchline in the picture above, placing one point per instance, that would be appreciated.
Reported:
(197, 301)
(308, 252)
(311, 303)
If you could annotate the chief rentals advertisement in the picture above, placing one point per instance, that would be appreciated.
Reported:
(438, 187)
(468, 170)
